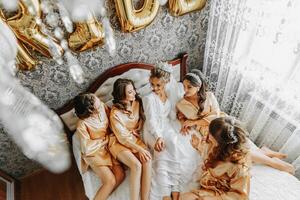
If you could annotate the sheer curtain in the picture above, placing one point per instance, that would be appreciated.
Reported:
(252, 63)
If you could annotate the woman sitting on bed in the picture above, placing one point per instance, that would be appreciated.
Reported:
(93, 131)
(199, 107)
(126, 120)
(226, 163)
(174, 158)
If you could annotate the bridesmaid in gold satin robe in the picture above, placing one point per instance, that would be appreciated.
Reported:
(188, 114)
(126, 120)
(199, 107)
(93, 132)
(227, 163)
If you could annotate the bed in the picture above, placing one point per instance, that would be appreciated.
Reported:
(266, 183)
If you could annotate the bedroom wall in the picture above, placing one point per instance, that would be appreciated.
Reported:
(164, 39)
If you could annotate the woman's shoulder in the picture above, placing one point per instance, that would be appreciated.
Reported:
(149, 99)
(149, 96)
(241, 157)
(102, 106)
(182, 104)
(118, 109)
(81, 124)
(115, 110)
(181, 101)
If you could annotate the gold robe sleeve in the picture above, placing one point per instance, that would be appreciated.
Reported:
(239, 184)
(203, 147)
(88, 146)
(107, 110)
(215, 111)
(180, 116)
(124, 136)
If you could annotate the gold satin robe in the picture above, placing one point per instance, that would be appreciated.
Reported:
(93, 133)
(123, 123)
(226, 181)
(211, 111)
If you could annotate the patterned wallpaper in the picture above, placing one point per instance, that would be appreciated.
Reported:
(164, 39)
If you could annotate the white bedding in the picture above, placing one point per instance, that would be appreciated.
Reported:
(266, 183)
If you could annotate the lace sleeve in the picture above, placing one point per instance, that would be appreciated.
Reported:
(152, 118)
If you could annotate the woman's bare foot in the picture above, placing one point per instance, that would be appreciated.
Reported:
(284, 166)
(273, 154)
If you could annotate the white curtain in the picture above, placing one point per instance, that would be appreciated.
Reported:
(252, 63)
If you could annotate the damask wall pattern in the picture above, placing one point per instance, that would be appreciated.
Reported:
(164, 39)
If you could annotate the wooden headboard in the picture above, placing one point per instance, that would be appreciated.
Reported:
(102, 86)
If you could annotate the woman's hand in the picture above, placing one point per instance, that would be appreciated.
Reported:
(202, 123)
(195, 141)
(144, 155)
(136, 133)
(184, 131)
(188, 123)
(159, 144)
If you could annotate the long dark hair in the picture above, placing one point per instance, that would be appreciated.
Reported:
(230, 138)
(119, 95)
(84, 105)
(203, 88)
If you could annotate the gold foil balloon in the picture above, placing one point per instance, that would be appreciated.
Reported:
(27, 30)
(131, 19)
(181, 7)
(86, 35)
(24, 60)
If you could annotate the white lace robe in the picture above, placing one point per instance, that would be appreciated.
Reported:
(172, 167)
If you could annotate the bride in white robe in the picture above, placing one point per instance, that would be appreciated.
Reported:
(174, 159)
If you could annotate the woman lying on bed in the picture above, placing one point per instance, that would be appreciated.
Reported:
(199, 107)
(93, 131)
(226, 163)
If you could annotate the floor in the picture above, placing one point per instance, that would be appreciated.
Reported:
(44, 185)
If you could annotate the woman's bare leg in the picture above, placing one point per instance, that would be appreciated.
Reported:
(146, 180)
(119, 174)
(272, 153)
(175, 195)
(260, 158)
(135, 166)
(108, 182)
(166, 198)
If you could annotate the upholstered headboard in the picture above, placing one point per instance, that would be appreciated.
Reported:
(102, 87)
